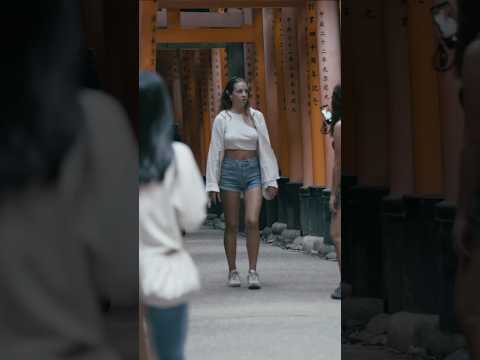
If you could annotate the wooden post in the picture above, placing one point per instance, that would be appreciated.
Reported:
(271, 101)
(318, 140)
(304, 74)
(148, 13)
(425, 100)
(284, 159)
(260, 61)
(293, 111)
(329, 55)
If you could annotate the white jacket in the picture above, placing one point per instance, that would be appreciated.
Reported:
(268, 161)
(178, 203)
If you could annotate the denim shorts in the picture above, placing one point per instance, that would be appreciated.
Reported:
(240, 175)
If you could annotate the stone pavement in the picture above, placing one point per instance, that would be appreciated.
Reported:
(291, 317)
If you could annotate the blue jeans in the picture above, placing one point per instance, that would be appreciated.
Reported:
(168, 331)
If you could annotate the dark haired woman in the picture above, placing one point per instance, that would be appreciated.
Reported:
(67, 226)
(171, 199)
(241, 160)
(335, 131)
(467, 223)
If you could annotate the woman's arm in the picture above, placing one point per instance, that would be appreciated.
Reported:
(214, 151)
(337, 165)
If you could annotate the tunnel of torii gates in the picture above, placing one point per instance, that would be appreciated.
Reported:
(288, 51)
(404, 120)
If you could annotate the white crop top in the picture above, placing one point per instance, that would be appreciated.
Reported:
(238, 134)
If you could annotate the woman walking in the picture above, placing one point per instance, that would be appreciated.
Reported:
(467, 223)
(241, 160)
(171, 199)
(335, 131)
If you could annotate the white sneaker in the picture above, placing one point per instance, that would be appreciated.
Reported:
(234, 279)
(253, 280)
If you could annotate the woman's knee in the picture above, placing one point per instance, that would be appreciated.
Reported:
(231, 227)
(251, 223)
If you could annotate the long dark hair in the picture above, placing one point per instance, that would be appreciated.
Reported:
(226, 102)
(156, 128)
(468, 28)
(40, 113)
(336, 107)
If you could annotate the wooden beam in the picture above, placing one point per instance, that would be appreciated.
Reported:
(237, 35)
(147, 26)
(173, 18)
(195, 4)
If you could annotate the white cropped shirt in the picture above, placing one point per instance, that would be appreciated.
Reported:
(226, 132)
(239, 135)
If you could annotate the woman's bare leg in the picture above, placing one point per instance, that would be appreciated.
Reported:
(336, 233)
(231, 204)
(253, 205)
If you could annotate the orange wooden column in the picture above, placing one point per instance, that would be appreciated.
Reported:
(317, 138)
(217, 82)
(249, 56)
(224, 67)
(401, 173)
(350, 110)
(260, 62)
(147, 14)
(302, 36)
(284, 159)
(329, 55)
(291, 83)
(271, 101)
(206, 128)
(187, 92)
(177, 91)
(425, 101)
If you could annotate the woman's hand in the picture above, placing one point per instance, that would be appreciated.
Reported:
(272, 191)
(333, 204)
(213, 197)
(462, 236)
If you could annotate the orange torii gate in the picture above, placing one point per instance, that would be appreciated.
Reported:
(314, 149)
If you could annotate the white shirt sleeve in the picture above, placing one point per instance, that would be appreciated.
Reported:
(188, 198)
(214, 155)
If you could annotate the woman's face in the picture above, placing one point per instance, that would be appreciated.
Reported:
(239, 96)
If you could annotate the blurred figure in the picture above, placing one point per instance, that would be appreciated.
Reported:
(335, 131)
(467, 223)
(241, 160)
(171, 199)
(67, 222)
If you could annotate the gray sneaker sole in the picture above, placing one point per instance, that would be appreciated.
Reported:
(254, 286)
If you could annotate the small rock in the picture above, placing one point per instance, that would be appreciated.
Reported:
(459, 355)
(417, 351)
(271, 239)
(378, 340)
(361, 309)
(277, 228)
(403, 329)
(438, 342)
(311, 244)
(266, 231)
(378, 324)
(325, 249)
(331, 256)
